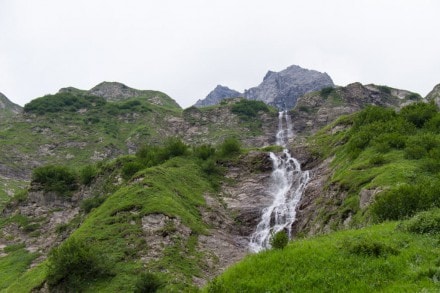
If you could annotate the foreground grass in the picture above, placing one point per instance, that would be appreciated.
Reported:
(380, 258)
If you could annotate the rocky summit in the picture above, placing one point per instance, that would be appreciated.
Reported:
(282, 89)
(217, 95)
(434, 95)
(279, 89)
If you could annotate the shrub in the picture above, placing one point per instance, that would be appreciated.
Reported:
(90, 203)
(204, 151)
(406, 200)
(385, 89)
(130, 169)
(367, 247)
(174, 147)
(62, 102)
(419, 113)
(424, 223)
(148, 283)
(230, 147)
(55, 178)
(377, 160)
(87, 174)
(325, 92)
(419, 145)
(373, 114)
(279, 240)
(73, 264)
(248, 109)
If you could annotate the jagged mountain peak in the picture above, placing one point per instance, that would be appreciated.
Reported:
(218, 94)
(279, 89)
(282, 89)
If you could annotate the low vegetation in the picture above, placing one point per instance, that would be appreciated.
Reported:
(380, 149)
(376, 259)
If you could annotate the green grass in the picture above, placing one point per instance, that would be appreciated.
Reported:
(13, 265)
(114, 228)
(375, 259)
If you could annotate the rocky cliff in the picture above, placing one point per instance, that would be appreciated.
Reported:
(282, 89)
(279, 89)
(7, 107)
(434, 95)
(317, 109)
(217, 95)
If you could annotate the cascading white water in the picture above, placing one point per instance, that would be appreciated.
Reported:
(287, 185)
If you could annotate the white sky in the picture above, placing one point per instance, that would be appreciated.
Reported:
(186, 48)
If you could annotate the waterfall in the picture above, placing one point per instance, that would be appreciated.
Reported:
(287, 184)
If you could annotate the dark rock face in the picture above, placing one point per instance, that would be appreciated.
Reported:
(282, 89)
(7, 106)
(217, 95)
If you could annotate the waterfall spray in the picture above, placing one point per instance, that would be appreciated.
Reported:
(287, 184)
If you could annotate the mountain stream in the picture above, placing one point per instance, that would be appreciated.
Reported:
(287, 184)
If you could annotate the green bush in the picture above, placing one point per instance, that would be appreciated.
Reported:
(148, 283)
(424, 223)
(377, 160)
(373, 114)
(58, 179)
(73, 264)
(325, 92)
(62, 102)
(248, 109)
(90, 203)
(279, 240)
(204, 151)
(230, 147)
(419, 113)
(367, 247)
(405, 200)
(174, 147)
(418, 146)
(87, 174)
(131, 168)
(385, 89)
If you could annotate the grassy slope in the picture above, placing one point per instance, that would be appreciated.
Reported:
(374, 149)
(174, 188)
(379, 258)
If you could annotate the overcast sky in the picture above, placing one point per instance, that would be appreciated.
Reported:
(186, 48)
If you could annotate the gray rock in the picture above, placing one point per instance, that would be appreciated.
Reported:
(279, 89)
(114, 91)
(282, 89)
(7, 107)
(217, 95)
(434, 95)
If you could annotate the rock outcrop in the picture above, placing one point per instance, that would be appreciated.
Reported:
(7, 107)
(217, 95)
(282, 89)
(434, 95)
(116, 91)
(315, 110)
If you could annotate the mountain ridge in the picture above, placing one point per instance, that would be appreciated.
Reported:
(280, 89)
